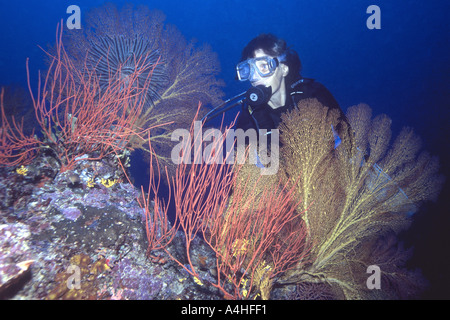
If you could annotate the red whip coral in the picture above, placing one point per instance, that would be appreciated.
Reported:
(77, 115)
(114, 43)
(255, 235)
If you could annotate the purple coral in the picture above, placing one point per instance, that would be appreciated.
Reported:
(138, 282)
(97, 198)
(71, 213)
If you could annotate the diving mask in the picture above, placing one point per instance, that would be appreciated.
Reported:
(264, 66)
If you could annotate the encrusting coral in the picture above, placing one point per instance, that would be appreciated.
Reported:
(67, 289)
(356, 198)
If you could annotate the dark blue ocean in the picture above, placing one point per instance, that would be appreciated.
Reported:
(401, 69)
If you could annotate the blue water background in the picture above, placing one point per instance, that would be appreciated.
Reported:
(402, 70)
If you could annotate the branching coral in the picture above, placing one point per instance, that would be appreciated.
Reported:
(256, 234)
(16, 147)
(259, 236)
(308, 143)
(135, 38)
(352, 199)
(79, 116)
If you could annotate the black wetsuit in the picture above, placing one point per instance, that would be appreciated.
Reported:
(264, 117)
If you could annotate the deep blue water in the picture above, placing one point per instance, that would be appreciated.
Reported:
(402, 70)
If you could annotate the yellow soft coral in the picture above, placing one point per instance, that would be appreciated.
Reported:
(91, 183)
(198, 281)
(108, 182)
(22, 170)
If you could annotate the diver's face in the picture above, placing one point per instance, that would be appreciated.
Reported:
(276, 80)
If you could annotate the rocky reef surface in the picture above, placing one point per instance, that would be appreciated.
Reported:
(80, 234)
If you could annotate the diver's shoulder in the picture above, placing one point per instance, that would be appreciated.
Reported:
(302, 82)
(307, 82)
(308, 86)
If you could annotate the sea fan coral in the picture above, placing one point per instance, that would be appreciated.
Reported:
(113, 47)
(182, 74)
(354, 199)
(79, 118)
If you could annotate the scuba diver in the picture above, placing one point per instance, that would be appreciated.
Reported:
(277, 86)
(273, 70)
